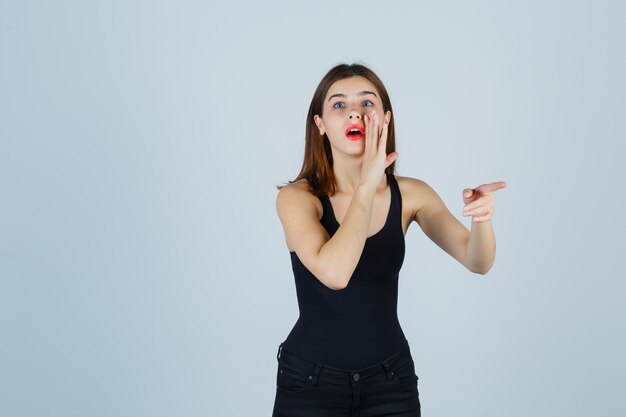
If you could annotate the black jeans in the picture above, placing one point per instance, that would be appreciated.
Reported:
(307, 388)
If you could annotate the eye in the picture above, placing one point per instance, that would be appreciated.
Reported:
(370, 103)
(335, 105)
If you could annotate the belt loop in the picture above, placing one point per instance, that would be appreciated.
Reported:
(388, 369)
(280, 347)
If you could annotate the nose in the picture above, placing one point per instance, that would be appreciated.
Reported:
(355, 115)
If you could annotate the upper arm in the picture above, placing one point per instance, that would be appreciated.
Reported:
(304, 233)
(438, 223)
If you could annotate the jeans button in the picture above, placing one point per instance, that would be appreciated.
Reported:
(355, 377)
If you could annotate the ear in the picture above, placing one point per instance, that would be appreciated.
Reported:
(388, 116)
(320, 124)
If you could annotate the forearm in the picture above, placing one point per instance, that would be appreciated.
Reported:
(343, 251)
(481, 247)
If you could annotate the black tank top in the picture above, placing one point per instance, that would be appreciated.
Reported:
(356, 326)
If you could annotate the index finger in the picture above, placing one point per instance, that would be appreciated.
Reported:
(494, 186)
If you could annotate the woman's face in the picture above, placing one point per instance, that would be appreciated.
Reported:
(345, 104)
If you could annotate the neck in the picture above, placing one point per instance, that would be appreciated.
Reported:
(348, 176)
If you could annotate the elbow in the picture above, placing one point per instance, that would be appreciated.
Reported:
(337, 283)
(337, 287)
(481, 270)
(331, 281)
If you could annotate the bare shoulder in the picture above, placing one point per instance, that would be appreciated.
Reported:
(300, 212)
(417, 195)
(297, 196)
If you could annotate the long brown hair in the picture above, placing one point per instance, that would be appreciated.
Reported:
(318, 159)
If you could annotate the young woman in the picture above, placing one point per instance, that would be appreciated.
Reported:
(345, 217)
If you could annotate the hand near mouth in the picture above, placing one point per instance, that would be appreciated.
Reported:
(375, 158)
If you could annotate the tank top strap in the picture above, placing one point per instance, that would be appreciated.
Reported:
(328, 216)
(395, 195)
(330, 221)
(326, 204)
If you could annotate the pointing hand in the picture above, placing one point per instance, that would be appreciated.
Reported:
(479, 202)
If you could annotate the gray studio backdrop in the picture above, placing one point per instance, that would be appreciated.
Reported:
(143, 268)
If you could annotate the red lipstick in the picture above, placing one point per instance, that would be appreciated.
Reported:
(355, 132)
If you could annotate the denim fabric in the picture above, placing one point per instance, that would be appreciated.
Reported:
(305, 388)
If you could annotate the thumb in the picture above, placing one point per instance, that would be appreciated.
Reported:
(468, 192)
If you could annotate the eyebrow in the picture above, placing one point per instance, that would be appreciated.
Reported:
(362, 93)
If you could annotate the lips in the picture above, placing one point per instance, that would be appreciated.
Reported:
(355, 132)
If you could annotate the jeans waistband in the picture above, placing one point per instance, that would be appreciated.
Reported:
(344, 376)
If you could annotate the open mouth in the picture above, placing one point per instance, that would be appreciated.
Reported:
(355, 132)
